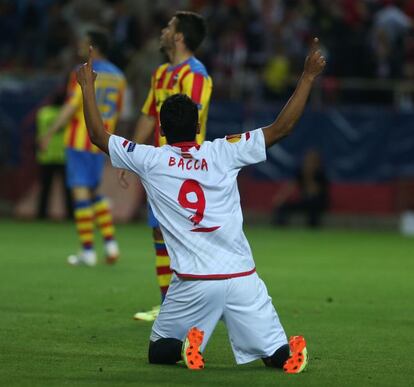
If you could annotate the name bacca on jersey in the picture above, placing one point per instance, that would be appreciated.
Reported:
(188, 164)
(193, 192)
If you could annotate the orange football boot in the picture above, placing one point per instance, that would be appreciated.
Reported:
(191, 354)
(298, 358)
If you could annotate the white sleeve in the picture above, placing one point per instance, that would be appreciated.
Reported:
(239, 150)
(129, 155)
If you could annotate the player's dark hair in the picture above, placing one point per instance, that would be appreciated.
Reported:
(179, 118)
(193, 28)
(99, 39)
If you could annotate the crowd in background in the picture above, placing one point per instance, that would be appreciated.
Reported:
(254, 47)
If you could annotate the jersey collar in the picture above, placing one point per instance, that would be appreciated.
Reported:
(186, 145)
(172, 68)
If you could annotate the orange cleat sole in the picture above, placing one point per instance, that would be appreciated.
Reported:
(298, 359)
(191, 354)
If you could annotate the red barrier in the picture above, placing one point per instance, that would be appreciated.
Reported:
(352, 198)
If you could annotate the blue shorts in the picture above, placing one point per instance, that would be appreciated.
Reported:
(152, 220)
(83, 169)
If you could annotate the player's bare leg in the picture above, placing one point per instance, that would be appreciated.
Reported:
(84, 220)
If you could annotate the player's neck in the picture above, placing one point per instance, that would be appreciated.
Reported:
(177, 57)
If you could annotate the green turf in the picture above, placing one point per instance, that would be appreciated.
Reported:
(350, 294)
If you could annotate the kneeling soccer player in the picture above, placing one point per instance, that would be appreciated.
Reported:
(193, 192)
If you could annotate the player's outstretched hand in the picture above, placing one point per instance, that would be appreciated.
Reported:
(85, 75)
(315, 62)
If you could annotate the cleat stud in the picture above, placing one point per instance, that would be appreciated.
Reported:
(189, 353)
(191, 362)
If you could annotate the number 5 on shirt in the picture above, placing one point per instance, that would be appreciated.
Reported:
(106, 100)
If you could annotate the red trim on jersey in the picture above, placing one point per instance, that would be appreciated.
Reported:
(152, 111)
(73, 81)
(73, 127)
(171, 81)
(205, 229)
(186, 145)
(161, 79)
(183, 77)
(125, 143)
(247, 136)
(88, 143)
(215, 276)
(197, 88)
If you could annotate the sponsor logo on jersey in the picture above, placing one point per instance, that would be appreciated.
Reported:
(233, 138)
(131, 145)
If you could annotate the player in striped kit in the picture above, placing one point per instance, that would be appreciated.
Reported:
(182, 74)
(84, 161)
(193, 191)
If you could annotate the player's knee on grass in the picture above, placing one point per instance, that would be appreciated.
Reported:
(278, 359)
(157, 234)
(165, 351)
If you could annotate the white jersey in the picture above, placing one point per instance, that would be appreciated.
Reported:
(192, 190)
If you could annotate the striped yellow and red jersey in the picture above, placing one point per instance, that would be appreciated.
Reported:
(109, 87)
(190, 78)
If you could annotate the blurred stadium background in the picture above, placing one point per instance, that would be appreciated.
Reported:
(352, 293)
(359, 118)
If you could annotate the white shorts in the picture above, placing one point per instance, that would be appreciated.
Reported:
(243, 304)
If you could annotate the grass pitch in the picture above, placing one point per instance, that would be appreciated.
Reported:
(349, 293)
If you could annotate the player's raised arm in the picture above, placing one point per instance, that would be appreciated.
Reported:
(291, 112)
(96, 130)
